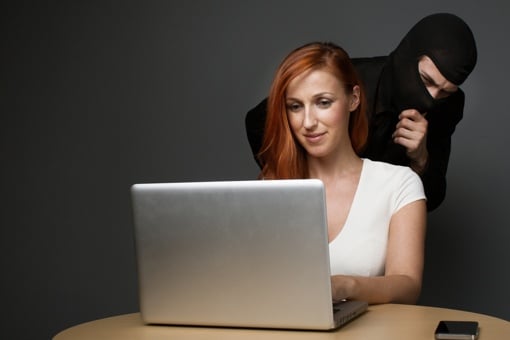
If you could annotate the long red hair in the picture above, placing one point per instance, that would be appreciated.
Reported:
(281, 157)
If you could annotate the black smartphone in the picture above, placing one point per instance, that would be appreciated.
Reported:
(457, 330)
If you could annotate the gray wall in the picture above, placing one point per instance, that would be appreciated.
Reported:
(98, 95)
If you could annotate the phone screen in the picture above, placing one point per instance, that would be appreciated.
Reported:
(457, 330)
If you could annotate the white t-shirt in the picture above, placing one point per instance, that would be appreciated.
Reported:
(360, 248)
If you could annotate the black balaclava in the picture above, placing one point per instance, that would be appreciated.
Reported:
(444, 38)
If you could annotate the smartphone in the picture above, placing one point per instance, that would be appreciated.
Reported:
(457, 330)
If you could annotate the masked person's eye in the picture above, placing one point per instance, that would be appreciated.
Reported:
(426, 81)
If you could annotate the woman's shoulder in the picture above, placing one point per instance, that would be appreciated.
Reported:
(397, 181)
(389, 173)
(384, 167)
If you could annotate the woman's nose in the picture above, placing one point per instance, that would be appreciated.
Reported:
(310, 120)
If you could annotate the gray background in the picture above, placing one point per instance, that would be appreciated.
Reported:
(96, 96)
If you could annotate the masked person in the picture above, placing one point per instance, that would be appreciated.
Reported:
(414, 100)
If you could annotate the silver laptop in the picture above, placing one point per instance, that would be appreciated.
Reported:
(237, 254)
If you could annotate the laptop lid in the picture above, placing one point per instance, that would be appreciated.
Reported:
(238, 254)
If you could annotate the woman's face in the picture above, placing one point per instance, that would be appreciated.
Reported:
(318, 110)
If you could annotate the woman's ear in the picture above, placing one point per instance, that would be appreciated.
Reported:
(355, 98)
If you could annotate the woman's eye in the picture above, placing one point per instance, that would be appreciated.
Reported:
(293, 107)
(324, 103)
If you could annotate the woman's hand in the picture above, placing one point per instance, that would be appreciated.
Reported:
(342, 287)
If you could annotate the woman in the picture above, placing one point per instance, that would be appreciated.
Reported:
(315, 128)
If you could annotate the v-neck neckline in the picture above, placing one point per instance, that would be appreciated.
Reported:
(353, 203)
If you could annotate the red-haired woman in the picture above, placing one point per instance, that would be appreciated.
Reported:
(315, 128)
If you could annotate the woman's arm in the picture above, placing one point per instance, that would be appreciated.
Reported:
(404, 263)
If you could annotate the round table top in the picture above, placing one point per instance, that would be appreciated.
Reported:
(390, 321)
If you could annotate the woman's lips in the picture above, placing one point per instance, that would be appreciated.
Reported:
(314, 137)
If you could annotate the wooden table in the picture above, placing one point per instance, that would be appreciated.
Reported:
(381, 322)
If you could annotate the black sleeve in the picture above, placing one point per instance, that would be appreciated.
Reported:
(254, 123)
(442, 123)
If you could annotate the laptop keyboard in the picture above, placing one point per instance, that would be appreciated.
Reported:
(342, 318)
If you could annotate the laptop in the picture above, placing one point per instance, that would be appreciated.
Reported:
(251, 254)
